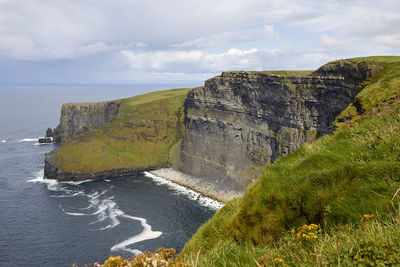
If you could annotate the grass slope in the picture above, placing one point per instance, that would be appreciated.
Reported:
(142, 135)
(332, 183)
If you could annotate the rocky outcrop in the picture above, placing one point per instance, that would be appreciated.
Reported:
(49, 132)
(77, 116)
(240, 120)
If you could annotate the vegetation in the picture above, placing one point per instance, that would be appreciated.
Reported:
(368, 242)
(333, 202)
(142, 135)
(287, 72)
(331, 183)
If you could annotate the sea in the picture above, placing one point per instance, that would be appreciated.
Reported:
(45, 223)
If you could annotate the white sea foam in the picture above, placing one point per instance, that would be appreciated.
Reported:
(105, 209)
(179, 189)
(146, 234)
(52, 185)
(3, 141)
(28, 140)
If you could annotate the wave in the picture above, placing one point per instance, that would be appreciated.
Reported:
(28, 140)
(179, 189)
(146, 234)
(105, 209)
(3, 141)
(39, 178)
(54, 185)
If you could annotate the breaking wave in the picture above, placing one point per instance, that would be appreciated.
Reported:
(103, 208)
(28, 140)
(179, 189)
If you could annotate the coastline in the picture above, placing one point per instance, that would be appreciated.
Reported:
(196, 184)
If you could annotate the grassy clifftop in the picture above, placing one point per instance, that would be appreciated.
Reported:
(331, 183)
(140, 136)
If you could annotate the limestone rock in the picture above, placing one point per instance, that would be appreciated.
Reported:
(78, 116)
(240, 120)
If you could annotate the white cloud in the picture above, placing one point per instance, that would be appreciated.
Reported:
(194, 36)
(190, 61)
(227, 38)
(333, 43)
(196, 61)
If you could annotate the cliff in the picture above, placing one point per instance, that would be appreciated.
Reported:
(334, 202)
(77, 116)
(240, 120)
(228, 130)
(116, 138)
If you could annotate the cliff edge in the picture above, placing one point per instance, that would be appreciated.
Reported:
(240, 120)
(116, 138)
(222, 133)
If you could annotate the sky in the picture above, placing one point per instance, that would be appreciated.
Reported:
(155, 41)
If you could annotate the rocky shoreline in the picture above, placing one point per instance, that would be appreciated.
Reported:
(196, 184)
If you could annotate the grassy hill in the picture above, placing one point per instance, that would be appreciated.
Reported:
(142, 135)
(331, 183)
(335, 202)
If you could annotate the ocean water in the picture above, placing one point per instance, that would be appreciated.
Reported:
(45, 223)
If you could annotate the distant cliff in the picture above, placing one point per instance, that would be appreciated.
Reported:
(240, 120)
(76, 116)
(115, 138)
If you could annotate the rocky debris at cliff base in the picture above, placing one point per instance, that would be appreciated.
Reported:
(196, 184)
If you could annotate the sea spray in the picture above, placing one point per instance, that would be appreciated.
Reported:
(179, 189)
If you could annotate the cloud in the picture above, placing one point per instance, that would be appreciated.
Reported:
(189, 61)
(192, 61)
(227, 38)
(331, 42)
(162, 37)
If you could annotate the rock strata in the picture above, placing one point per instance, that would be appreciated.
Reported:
(78, 116)
(240, 120)
(235, 123)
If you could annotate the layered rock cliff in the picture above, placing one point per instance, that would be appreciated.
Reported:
(240, 120)
(76, 116)
(233, 125)
(116, 138)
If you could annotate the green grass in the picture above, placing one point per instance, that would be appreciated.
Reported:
(380, 96)
(286, 72)
(141, 136)
(332, 182)
(377, 59)
(372, 243)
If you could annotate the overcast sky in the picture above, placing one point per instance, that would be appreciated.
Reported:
(129, 41)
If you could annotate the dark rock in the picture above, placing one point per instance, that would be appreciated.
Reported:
(240, 120)
(81, 116)
(45, 140)
(49, 132)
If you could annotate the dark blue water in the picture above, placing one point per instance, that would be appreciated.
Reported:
(52, 224)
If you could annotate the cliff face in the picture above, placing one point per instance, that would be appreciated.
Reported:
(76, 116)
(232, 126)
(240, 120)
(116, 138)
